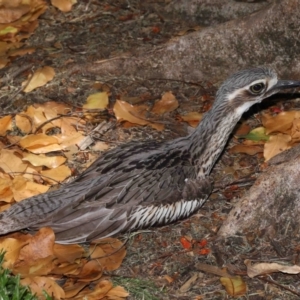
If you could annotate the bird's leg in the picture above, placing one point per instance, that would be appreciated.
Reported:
(199, 188)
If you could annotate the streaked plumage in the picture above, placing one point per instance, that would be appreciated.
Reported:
(142, 184)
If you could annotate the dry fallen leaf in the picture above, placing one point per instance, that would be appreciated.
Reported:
(281, 123)
(97, 101)
(127, 112)
(63, 5)
(267, 268)
(235, 286)
(68, 253)
(40, 284)
(11, 162)
(167, 103)
(250, 150)
(276, 144)
(295, 130)
(23, 122)
(40, 77)
(193, 118)
(55, 175)
(22, 188)
(109, 253)
(40, 143)
(12, 248)
(5, 124)
(43, 160)
(6, 193)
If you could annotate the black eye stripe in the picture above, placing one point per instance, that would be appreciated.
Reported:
(257, 88)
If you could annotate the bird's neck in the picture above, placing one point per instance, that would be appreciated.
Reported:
(210, 137)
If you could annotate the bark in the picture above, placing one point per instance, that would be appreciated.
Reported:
(270, 36)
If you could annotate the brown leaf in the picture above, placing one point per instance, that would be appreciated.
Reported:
(295, 130)
(72, 289)
(37, 143)
(11, 14)
(40, 77)
(90, 271)
(268, 268)
(39, 246)
(11, 162)
(5, 124)
(127, 112)
(23, 122)
(67, 269)
(12, 247)
(193, 118)
(63, 5)
(39, 267)
(58, 174)
(250, 150)
(276, 144)
(68, 253)
(100, 291)
(167, 103)
(22, 188)
(243, 129)
(108, 252)
(281, 123)
(6, 193)
(117, 293)
(40, 284)
(43, 160)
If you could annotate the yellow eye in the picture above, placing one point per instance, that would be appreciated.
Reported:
(257, 88)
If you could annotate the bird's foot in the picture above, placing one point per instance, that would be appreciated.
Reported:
(199, 188)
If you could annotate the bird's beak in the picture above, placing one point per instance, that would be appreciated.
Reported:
(282, 85)
(285, 84)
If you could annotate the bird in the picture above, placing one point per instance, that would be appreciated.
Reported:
(142, 184)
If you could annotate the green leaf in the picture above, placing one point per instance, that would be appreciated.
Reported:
(257, 134)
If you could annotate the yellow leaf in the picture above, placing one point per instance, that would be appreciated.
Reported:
(58, 174)
(40, 77)
(22, 188)
(97, 101)
(40, 143)
(10, 162)
(12, 248)
(5, 124)
(234, 286)
(23, 123)
(43, 160)
(6, 194)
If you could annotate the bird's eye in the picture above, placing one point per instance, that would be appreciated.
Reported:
(257, 88)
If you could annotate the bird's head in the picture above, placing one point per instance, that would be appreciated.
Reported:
(245, 88)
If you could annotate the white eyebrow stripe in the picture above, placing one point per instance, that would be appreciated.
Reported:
(271, 83)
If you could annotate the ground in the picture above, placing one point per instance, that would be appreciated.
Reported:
(157, 265)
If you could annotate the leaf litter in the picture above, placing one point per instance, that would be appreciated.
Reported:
(40, 170)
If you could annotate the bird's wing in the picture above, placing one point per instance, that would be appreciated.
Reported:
(123, 182)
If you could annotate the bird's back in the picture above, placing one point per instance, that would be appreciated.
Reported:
(112, 195)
